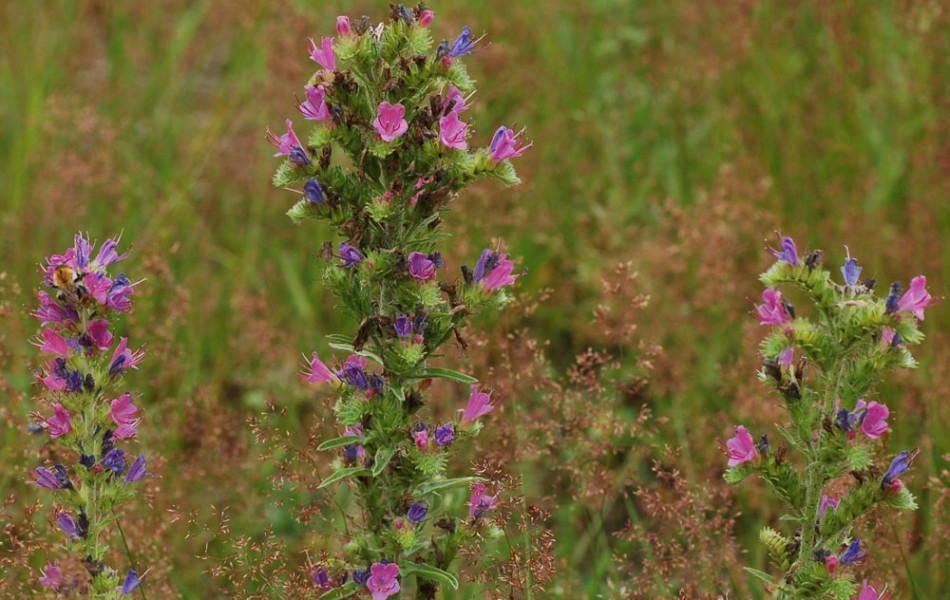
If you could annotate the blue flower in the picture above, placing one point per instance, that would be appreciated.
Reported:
(417, 512)
(851, 271)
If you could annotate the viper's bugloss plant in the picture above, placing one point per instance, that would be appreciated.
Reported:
(87, 412)
(388, 148)
(824, 365)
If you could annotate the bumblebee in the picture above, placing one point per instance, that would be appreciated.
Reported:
(71, 289)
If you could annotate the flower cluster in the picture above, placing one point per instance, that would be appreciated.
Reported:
(90, 416)
(843, 347)
(395, 105)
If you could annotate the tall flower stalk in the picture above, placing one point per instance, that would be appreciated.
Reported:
(86, 412)
(390, 146)
(832, 464)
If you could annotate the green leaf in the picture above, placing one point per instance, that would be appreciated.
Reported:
(349, 348)
(383, 456)
(341, 441)
(760, 574)
(430, 572)
(444, 484)
(344, 591)
(342, 474)
(794, 518)
(341, 339)
(440, 373)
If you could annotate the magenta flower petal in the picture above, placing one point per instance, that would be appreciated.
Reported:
(315, 107)
(505, 144)
(479, 403)
(917, 298)
(452, 131)
(875, 420)
(741, 447)
(99, 332)
(324, 55)
(343, 26)
(771, 311)
(59, 423)
(317, 371)
(389, 122)
(382, 582)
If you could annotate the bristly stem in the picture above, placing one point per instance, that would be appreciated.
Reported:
(128, 551)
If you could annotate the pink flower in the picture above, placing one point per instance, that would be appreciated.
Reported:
(124, 359)
(389, 122)
(480, 502)
(452, 131)
(826, 503)
(126, 430)
(59, 423)
(425, 19)
(831, 563)
(479, 403)
(53, 343)
(785, 357)
(324, 55)
(52, 576)
(99, 332)
(422, 439)
(288, 145)
(51, 312)
(421, 266)
(315, 107)
(501, 275)
(455, 95)
(51, 379)
(917, 298)
(875, 420)
(887, 336)
(771, 312)
(123, 412)
(741, 447)
(423, 181)
(382, 581)
(342, 26)
(869, 593)
(504, 144)
(317, 371)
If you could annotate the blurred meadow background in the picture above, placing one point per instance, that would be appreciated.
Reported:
(671, 139)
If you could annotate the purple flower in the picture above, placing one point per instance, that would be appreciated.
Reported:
(403, 326)
(452, 131)
(785, 357)
(313, 192)
(891, 304)
(107, 255)
(505, 144)
(464, 44)
(851, 271)
(321, 578)
(480, 502)
(417, 512)
(132, 581)
(53, 343)
(382, 582)
(353, 374)
(421, 266)
(853, 554)
(81, 251)
(917, 298)
(869, 593)
(445, 435)
(115, 460)
(118, 294)
(360, 577)
(51, 312)
(890, 338)
(788, 252)
(315, 106)
(772, 311)
(389, 122)
(826, 503)
(357, 452)
(899, 466)
(324, 55)
(45, 478)
(52, 576)
(68, 525)
(349, 255)
(455, 101)
(137, 470)
(741, 447)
